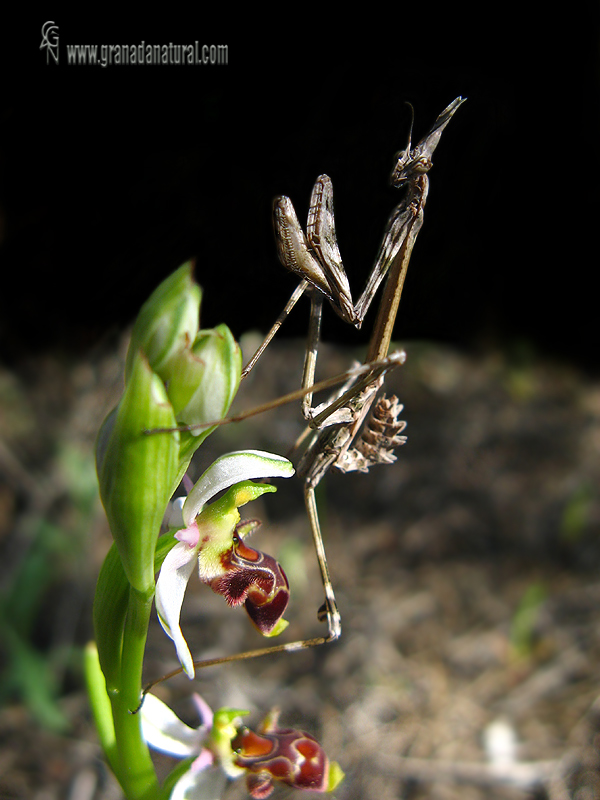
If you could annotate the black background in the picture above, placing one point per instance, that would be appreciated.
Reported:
(112, 177)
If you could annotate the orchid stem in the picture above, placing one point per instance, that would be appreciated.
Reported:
(119, 730)
(136, 772)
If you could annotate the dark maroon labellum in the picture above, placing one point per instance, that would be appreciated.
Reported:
(258, 581)
(286, 755)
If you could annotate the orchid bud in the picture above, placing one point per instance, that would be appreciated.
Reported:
(201, 370)
(175, 375)
(205, 380)
(136, 472)
(167, 322)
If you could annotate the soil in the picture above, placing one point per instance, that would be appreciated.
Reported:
(466, 574)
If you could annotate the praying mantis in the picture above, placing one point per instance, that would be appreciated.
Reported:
(315, 257)
(357, 427)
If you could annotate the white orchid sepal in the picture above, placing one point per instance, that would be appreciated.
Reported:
(242, 465)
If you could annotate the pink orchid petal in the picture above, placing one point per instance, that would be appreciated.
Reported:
(189, 536)
(204, 760)
(205, 712)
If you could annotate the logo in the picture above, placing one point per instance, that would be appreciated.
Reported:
(50, 41)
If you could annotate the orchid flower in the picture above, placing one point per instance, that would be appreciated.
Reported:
(222, 748)
(213, 537)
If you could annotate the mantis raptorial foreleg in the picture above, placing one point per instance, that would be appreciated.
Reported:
(316, 258)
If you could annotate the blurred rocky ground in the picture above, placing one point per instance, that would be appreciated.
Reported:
(466, 573)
